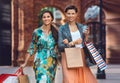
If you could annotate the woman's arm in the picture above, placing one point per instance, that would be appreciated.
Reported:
(78, 41)
(86, 33)
(26, 60)
(31, 49)
(62, 43)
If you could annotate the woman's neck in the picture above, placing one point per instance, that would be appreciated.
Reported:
(46, 29)
(73, 26)
(72, 23)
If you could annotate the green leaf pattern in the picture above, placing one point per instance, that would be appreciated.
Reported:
(45, 57)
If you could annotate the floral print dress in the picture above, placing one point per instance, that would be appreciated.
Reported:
(45, 57)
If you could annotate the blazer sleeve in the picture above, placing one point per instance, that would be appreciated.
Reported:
(61, 45)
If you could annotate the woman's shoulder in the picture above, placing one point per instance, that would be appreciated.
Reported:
(37, 30)
(80, 24)
(62, 27)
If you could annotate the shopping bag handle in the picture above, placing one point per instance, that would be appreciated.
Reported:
(19, 71)
(85, 42)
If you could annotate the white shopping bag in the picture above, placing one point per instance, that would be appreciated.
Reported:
(11, 79)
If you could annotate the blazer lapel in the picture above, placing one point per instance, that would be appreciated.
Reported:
(67, 31)
(80, 29)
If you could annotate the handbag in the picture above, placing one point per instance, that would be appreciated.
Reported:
(96, 56)
(73, 57)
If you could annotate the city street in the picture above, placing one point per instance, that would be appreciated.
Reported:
(112, 73)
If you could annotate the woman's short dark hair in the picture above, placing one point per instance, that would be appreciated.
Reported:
(71, 7)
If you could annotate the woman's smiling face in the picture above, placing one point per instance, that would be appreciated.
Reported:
(71, 15)
(47, 18)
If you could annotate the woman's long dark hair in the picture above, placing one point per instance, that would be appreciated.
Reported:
(54, 33)
(53, 28)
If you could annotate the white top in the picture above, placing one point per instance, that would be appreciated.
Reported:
(75, 35)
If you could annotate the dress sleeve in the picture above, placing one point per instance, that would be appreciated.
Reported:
(32, 47)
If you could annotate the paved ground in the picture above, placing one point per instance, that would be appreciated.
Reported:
(112, 73)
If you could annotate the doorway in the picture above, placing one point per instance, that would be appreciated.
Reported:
(5, 32)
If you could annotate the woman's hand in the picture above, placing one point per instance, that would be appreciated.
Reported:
(65, 41)
(23, 65)
(78, 41)
(26, 60)
(71, 43)
(87, 31)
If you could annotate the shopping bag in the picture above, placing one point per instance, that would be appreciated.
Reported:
(96, 56)
(8, 78)
(17, 77)
(73, 57)
(11, 79)
(88, 57)
(22, 77)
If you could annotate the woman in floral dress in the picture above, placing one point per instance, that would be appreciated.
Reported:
(44, 40)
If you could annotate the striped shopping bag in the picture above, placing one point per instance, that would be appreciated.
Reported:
(96, 56)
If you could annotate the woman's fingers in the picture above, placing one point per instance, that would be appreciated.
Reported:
(23, 65)
(65, 41)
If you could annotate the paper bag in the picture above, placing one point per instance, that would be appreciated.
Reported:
(74, 57)
(23, 79)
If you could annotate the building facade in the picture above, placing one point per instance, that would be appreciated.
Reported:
(24, 19)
